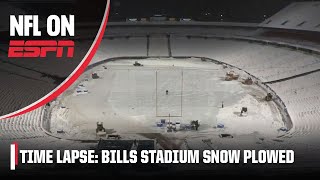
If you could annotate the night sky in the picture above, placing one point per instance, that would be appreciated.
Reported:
(200, 10)
(204, 10)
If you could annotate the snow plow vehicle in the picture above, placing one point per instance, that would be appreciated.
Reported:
(268, 97)
(137, 64)
(248, 81)
(100, 131)
(231, 76)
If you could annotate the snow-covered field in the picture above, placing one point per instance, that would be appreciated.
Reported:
(131, 100)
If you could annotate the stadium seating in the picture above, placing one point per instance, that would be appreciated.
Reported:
(297, 16)
(27, 126)
(158, 46)
(302, 96)
(14, 81)
(269, 63)
(285, 69)
(121, 47)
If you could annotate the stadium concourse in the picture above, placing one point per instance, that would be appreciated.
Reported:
(283, 59)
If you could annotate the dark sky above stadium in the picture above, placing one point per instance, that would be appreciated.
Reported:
(211, 10)
(201, 10)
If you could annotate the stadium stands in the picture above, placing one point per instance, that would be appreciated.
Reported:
(158, 46)
(302, 96)
(297, 16)
(266, 62)
(285, 69)
(27, 126)
(14, 81)
(124, 46)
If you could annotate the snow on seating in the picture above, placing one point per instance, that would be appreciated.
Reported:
(269, 63)
(158, 46)
(22, 127)
(120, 47)
(298, 16)
(301, 96)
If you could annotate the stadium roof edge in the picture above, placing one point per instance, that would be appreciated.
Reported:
(300, 16)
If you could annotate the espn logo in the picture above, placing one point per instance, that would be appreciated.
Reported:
(40, 48)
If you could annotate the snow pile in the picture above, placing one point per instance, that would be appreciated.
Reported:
(260, 118)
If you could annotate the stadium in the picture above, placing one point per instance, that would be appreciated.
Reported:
(184, 84)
